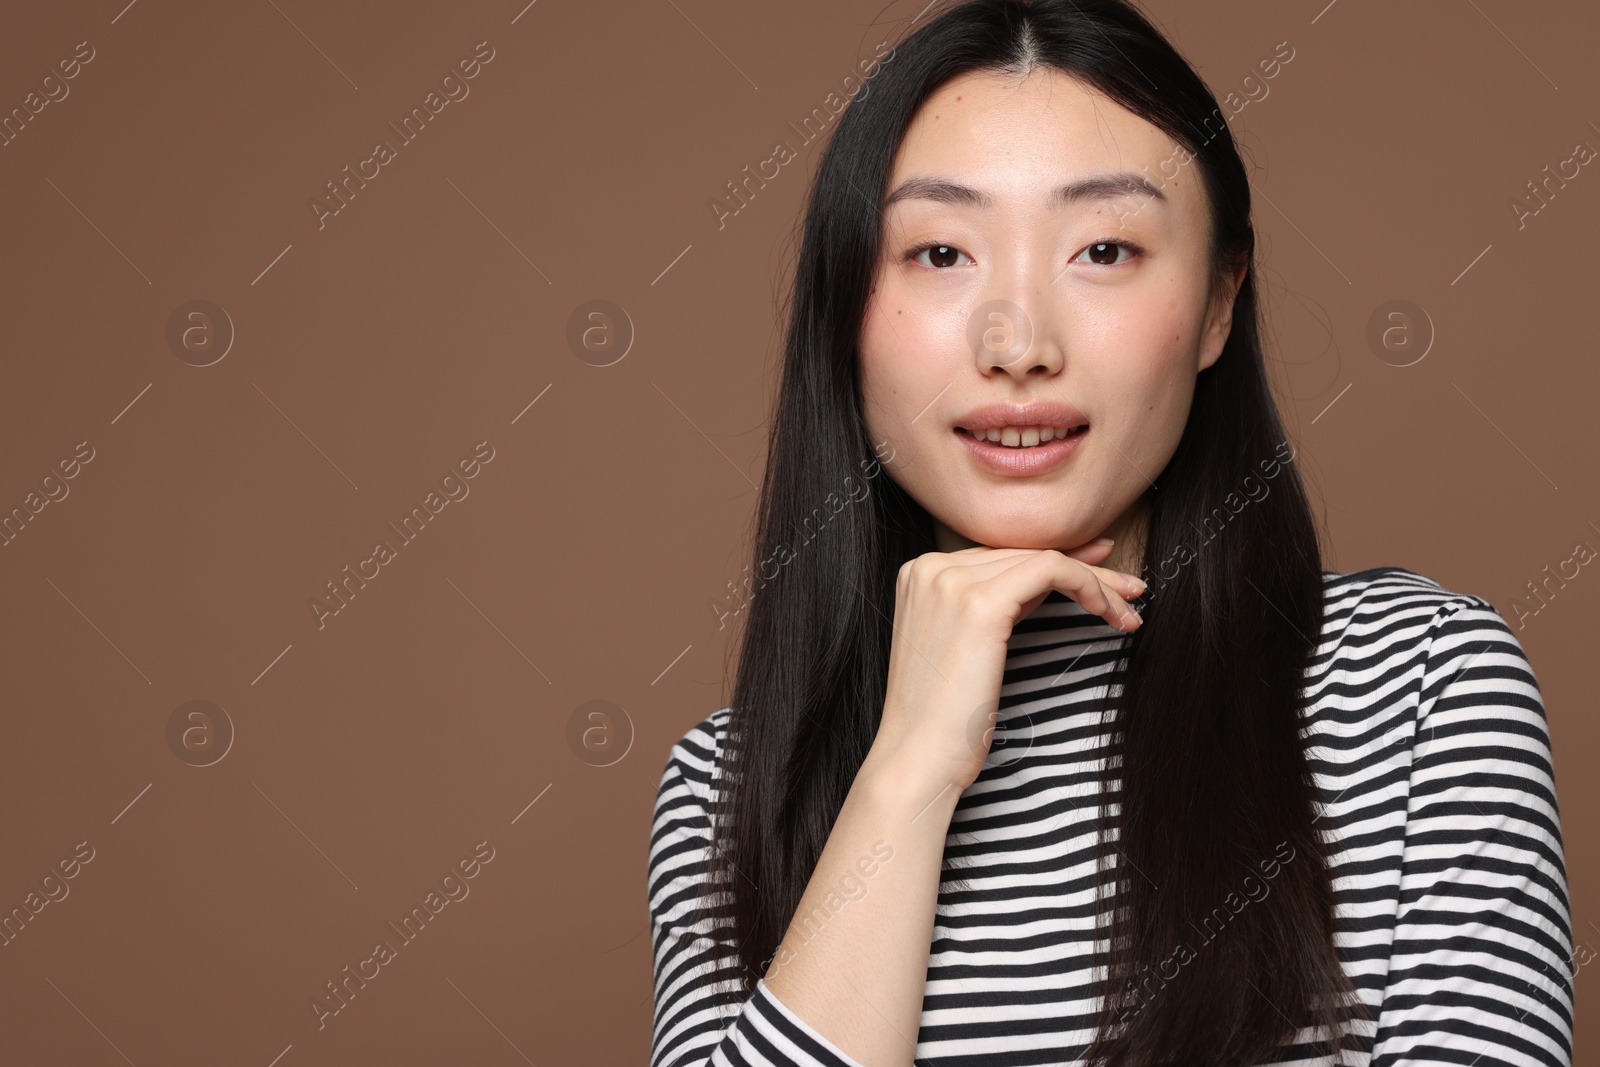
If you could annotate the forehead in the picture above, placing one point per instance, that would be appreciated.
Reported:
(1017, 139)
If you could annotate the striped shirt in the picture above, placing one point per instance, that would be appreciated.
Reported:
(1427, 738)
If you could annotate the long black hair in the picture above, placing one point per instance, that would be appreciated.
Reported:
(1205, 718)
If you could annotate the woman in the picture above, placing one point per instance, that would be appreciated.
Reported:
(984, 796)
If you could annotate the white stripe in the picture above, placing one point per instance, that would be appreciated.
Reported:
(1415, 693)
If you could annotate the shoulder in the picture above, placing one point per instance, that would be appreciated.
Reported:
(1394, 642)
(691, 763)
(1424, 693)
(1397, 639)
(1393, 611)
(1389, 592)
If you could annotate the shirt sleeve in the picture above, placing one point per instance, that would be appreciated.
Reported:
(701, 1015)
(1479, 969)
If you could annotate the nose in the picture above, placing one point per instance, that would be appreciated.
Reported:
(1005, 337)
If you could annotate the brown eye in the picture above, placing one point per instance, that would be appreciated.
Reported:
(1104, 253)
(940, 256)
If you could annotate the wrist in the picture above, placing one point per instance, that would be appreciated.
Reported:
(908, 790)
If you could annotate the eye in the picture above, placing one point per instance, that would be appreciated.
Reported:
(940, 250)
(1103, 252)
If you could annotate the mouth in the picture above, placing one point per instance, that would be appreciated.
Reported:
(1021, 437)
(1023, 451)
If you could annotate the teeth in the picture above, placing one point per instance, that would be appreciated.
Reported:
(1020, 436)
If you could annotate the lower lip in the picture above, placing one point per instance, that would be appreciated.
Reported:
(1020, 462)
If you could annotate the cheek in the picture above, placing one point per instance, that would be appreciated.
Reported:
(881, 392)
(1143, 378)
(1139, 358)
(904, 360)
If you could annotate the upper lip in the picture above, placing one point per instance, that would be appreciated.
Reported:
(1034, 413)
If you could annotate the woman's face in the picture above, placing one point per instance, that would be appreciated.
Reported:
(1099, 304)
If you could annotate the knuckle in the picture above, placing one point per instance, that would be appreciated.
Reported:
(969, 595)
(1057, 558)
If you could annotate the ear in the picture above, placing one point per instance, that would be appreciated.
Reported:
(1220, 319)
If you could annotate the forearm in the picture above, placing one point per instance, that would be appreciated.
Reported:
(854, 960)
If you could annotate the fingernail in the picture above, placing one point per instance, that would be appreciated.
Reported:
(1103, 541)
(1141, 584)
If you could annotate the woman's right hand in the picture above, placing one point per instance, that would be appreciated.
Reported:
(953, 617)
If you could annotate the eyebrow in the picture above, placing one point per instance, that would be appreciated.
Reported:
(1095, 187)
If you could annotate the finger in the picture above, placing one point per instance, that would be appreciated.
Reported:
(987, 562)
(1077, 580)
(1095, 552)
(1129, 585)
(983, 557)
(1091, 551)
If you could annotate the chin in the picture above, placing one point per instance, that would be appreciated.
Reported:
(1017, 536)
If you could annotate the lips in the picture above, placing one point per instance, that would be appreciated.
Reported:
(1034, 413)
(1021, 461)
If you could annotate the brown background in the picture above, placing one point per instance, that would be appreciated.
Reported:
(372, 354)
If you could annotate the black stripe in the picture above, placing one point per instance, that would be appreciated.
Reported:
(1426, 734)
